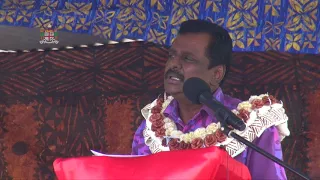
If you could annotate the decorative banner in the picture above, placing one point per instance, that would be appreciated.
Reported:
(254, 25)
(69, 87)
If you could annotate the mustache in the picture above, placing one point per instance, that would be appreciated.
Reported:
(172, 72)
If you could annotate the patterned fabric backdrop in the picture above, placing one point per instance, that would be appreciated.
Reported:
(254, 25)
(64, 103)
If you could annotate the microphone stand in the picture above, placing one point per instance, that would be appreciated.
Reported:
(222, 116)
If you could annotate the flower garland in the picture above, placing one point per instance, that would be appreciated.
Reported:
(165, 127)
(161, 133)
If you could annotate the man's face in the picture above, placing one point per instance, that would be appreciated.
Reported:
(187, 58)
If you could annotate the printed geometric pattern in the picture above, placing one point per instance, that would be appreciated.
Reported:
(119, 115)
(78, 93)
(19, 140)
(21, 74)
(154, 59)
(3, 164)
(70, 126)
(262, 68)
(311, 110)
(309, 68)
(281, 25)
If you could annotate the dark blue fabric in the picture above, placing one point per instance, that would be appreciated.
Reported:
(291, 26)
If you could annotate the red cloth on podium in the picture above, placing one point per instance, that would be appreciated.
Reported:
(205, 163)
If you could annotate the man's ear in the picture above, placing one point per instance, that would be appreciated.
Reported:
(217, 75)
(219, 72)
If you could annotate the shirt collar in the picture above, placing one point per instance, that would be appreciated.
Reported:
(172, 110)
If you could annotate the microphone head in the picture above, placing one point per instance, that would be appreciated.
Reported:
(194, 87)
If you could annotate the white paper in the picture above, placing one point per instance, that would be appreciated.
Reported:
(113, 155)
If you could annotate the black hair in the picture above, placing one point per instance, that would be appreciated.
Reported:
(219, 49)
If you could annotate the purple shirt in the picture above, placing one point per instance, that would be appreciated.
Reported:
(260, 167)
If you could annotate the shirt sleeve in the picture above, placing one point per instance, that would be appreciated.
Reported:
(138, 145)
(260, 167)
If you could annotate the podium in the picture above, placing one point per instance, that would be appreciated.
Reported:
(206, 163)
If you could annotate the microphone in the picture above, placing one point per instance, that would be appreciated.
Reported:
(199, 92)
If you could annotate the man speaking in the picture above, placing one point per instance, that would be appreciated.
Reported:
(172, 122)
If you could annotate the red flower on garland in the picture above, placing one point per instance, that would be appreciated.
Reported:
(210, 140)
(160, 132)
(174, 144)
(156, 119)
(257, 103)
(156, 109)
(220, 136)
(244, 115)
(184, 145)
(196, 143)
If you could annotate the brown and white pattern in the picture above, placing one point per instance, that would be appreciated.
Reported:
(293, 78)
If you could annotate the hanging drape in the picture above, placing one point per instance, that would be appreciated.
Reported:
(254, 25)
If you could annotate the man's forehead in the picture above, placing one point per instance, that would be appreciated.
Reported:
(190, 42)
